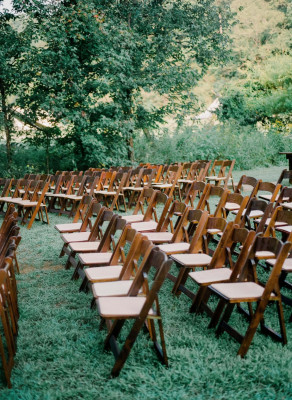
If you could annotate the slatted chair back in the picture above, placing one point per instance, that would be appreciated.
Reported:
(159, 199)
(125, 241)
(6, 187)
(271, 188)
(145, 196)
(82, 208)
(104, 216)
(247, 183)
(172, 217)
(285, 175)
(285, 196)
(213, 191)
(280, 217)
(232, 201)
(7, 336)
(141, 249)
(197, 189)
(256, 209)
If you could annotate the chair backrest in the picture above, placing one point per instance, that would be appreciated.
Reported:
(249, 181)
(234, 198)
(197, 189)
(157, 260)
(212, 191)
(279, 215)
(285, 175)
(271, 188)
(103, 216)
(145, 196)
(157, 199)
(175, 212)
(108, 240)
(284, 196)
(256, 205)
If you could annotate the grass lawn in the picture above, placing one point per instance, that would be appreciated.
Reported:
(60, 349)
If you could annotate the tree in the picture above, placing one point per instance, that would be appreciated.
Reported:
(94, 61)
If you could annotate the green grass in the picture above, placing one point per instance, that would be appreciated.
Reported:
(60, 349)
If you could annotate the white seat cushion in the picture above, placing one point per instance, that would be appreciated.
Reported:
(196, 260)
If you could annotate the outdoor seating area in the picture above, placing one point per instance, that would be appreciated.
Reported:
(214, 247)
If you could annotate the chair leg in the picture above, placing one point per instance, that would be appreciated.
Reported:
(282, 321)
(195, 307)
(250, 332)
(225, 318)
(127, 347)
(179, 281)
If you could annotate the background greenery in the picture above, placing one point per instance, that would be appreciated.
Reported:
(100, 83)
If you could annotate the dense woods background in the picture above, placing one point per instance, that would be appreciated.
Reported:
(99, 83)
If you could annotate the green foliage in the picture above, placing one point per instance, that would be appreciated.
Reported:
(256, 84)
(249, 146)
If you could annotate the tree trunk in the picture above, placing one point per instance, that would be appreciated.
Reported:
(48, 154)
(130, 144)
(6, 124)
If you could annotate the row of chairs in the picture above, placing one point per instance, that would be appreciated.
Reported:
(9, 241)
(63, 193)
(120, 284)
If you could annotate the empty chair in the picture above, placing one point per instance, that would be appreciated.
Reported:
(139, 309)
(251, 291)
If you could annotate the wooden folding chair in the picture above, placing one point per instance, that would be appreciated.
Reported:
(144, 180)
(117, 280)
(8, 321)
(95, 234)
(171, 231)
(169, 183)
(84, 211)
(247, 289)
(108, 250)
(257, 210)
(232, 201)
(152, 221)
(144, 199)
(93, 246)
(35, 206)
(140, 309)
(114, 192)
(212, 194)
(217, 271)
(197, 189)
(198, 253)
(222, 176)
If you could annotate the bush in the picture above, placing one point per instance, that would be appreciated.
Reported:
(249, 146)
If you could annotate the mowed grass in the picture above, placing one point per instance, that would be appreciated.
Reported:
(60, 349)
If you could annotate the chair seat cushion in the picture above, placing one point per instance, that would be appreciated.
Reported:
(196, 260)
(231, 206)
(159, 237)
(173, 248)
(27, 203)
(239, 291)
(75, 237)
(145, 226)
(133, 218)
(80, 247)
(211, 276)
(73, 227)
(106, 193)
(268, 220)
(106, 289)
(263, 255)
(121, 307)
(95, 258)
(103, 274)
(285, 229)
(287, 266)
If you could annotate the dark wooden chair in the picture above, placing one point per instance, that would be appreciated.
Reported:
(248, 289)
(140, 309)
